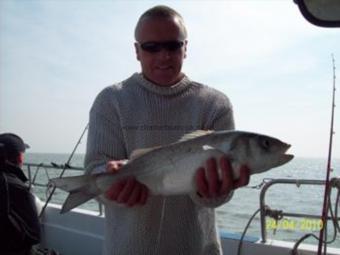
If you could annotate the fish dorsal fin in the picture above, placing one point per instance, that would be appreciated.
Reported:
(195, 134)
(139, 152)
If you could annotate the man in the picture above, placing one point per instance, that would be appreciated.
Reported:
(19, 222)
(151, 108)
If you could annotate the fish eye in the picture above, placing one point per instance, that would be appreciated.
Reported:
(265, 144)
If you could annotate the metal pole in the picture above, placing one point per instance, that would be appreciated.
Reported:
(327, 186)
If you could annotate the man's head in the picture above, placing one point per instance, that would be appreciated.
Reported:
(161, 45)
(12, 148)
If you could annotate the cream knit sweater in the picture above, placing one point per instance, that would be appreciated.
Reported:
(139, 114)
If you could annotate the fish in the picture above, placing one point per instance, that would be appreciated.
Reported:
(170, 169)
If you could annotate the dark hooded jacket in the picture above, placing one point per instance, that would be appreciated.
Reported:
(19, 223)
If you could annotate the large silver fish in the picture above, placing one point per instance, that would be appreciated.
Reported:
(170, 169)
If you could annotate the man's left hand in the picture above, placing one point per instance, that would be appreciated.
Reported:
(208, 182)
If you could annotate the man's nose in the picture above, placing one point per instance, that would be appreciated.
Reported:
(164, 54)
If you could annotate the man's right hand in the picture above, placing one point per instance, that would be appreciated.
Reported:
(128, 191)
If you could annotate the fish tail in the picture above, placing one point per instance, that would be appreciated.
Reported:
(81, 189)
(71, 183)
(76, 198)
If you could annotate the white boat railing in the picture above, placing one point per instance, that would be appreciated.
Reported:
(35, 169)
(277, 215)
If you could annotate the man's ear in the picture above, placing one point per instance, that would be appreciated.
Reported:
(21, 158)
(137, 50)
(185, 48)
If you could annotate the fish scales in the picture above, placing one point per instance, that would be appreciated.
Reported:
(171, 169)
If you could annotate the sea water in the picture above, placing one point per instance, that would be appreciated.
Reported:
(234, 215)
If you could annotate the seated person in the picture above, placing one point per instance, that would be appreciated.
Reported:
(20, 228)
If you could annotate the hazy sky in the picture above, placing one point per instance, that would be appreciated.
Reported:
(56, 56)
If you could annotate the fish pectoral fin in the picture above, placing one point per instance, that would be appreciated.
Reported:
(139, 152)
(218, 153)
(209, 151)
(235, 165)
(208, 147)
(194, 134)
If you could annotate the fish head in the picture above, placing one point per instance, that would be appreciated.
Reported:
(260, 152)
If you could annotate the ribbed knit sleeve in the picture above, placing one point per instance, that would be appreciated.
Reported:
(105, 138)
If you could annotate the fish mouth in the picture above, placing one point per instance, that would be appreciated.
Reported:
(284, 158)
(287, 157)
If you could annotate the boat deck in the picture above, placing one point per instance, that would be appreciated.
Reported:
(81, 232)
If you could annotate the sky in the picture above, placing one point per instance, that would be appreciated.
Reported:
(276, 68)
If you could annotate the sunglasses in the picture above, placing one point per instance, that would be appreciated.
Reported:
(154, 47)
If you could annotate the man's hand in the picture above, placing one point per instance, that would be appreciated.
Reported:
(127, 191)
(208, 183)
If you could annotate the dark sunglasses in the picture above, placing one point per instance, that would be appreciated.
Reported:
(153, 47)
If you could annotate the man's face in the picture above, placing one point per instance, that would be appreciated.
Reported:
(21, 159)
(162, 67)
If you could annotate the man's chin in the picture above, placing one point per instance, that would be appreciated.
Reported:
(166, 80)
(163, 83)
